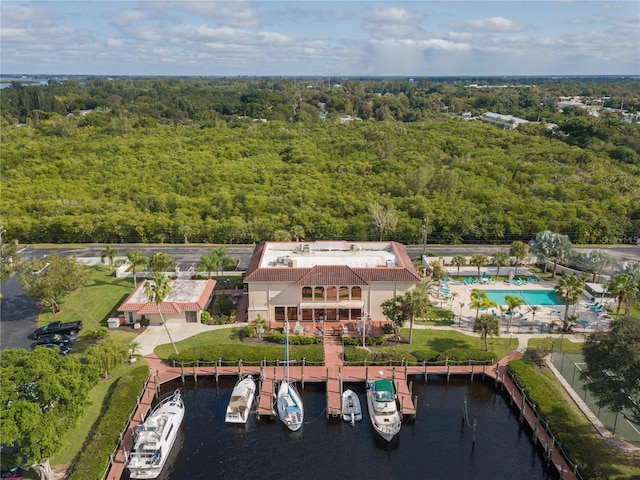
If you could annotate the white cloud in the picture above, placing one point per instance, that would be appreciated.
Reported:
(492, 24)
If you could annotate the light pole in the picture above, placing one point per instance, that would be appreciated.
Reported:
(426, 233)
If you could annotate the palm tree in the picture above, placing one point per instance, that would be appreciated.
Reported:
(500, 259)
(458, 261)
(480, 300)
(220, 258)
(259, 323)
(157, 288)
(478, 260)
(624, 288)
(297, 232)
(518, 250)
(136, 259)
(208, 263)
(512, 303)
(461, 304)
(416, 304)
(569, 289)
(596, 260)
(108, 253)
(533, 309)
(486, 325)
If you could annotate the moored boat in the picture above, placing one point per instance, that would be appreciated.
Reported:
(351, 409)
(383, 408)
(154, 439)
(241, 400)
(288, 402)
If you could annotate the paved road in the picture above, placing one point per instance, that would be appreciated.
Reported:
(19, 313)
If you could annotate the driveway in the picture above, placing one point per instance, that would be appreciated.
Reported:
(18, 316)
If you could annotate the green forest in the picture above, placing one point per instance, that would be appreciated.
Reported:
(245, 160)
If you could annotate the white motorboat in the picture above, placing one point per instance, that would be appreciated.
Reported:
(154, 438)
(351, 410)
(383, 408)
(241, 400)
(288, 401)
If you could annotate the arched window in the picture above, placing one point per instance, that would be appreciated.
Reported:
(307, 293)
(332, 293)
(344, 293)
(356, 293)
(319, 293)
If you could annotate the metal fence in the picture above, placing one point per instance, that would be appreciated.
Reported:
(571, 367)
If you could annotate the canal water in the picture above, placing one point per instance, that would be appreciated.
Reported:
(437, 446)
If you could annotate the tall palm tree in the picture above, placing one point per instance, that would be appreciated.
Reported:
(416, 304)
(136, 259)
(533, 309)
(500, 259)
(110, 254)
(208, 263)
(569, 289)
(157, 288)
(478, 260)
(480, 300)
(518, 250)
(486, 325)
(624, 288)
(458, 261)
(297, 232)
(512, 303)
(220, 258)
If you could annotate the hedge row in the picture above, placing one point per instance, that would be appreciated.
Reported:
(359, 355)
(121, 401)
(253, 354)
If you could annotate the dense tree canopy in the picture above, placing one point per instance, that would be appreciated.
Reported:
(170, 160)
(613, 366)
(42, 396)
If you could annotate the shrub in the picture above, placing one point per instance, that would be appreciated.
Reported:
(464, 355)
(205, 317)
(387, 328)
(249, 354)
(121, 401)
(425, 355)
(249, 331)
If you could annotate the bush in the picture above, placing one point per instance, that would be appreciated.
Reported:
(387, 328)
(248, 332)
(205, 317)
(369, 341)
(252, 354)
(425, 355)
(464, 355)
(121, 401)
(541, 349)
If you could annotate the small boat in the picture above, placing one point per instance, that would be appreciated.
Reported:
(241, 400)
(383, 408)
(154, 438)
(351, 411)
(288, 401)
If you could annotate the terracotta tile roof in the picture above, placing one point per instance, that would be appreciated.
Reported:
(275, 274)
(387, 274)
(186, 295)
(330, 275)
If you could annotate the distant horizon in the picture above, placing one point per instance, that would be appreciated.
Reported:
(329, 38)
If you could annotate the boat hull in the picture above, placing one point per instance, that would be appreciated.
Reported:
(155, 438)
(289, 406)
(384, 415)
(241, 401)
(351, 409)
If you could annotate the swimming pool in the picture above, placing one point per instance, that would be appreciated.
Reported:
(532, 297)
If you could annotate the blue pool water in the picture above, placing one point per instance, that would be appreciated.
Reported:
(532, 297)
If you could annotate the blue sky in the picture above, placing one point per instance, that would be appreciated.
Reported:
(266, 37)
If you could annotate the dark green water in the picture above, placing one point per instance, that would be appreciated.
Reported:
(437, 446)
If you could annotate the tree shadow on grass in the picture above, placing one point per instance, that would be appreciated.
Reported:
(442, 344)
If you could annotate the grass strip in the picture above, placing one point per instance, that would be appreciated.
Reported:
(595, 459)
(119, 403)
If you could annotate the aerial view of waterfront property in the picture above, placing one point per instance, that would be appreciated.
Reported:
(380, 239)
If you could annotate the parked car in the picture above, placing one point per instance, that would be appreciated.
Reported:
(12, 473)
(68, 328)
(54, 339)
(65, 349)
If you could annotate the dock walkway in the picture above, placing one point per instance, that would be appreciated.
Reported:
(334, 374)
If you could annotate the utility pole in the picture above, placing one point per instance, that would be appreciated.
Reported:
(426, 233)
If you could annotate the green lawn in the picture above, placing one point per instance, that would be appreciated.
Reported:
(94, 304)
(225, 336)
(441, 340)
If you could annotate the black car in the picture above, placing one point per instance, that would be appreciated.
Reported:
(64, 349)
(54, 339)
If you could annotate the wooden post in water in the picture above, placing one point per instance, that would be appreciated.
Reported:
(513, 392)
(534, 437)
(464, 409)
(474, 431)
(415, 404)
(425, 371)
(216, 373)
(524, 406)
(448, 368)
(302, 372)
(239, 368)
(472, 372)
(483, 373)
(195, 374)
(182, 373)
